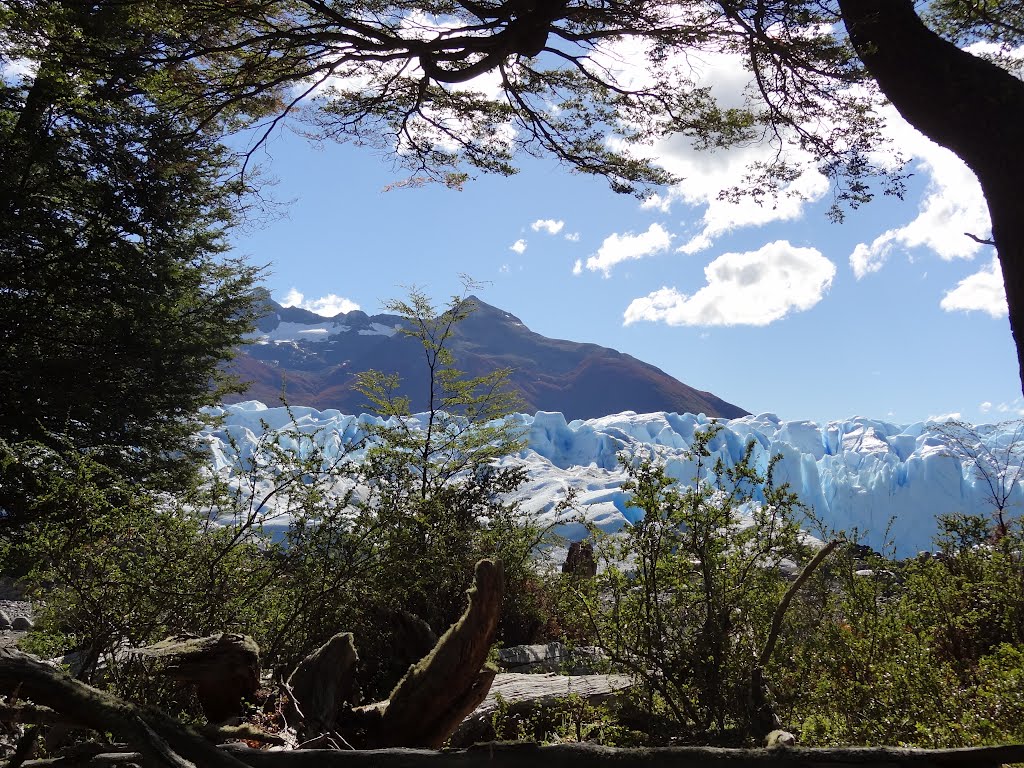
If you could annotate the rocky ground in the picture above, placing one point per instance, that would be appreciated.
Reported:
(13, 614)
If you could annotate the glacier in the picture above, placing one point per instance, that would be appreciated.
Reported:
(889, 482)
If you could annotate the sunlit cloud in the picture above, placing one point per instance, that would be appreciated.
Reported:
(328, 306)
(519, 246)
(551, 226)
(982, 291)
(752, 288)
(617, 248)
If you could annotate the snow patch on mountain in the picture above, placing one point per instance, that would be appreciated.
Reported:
(886, 480)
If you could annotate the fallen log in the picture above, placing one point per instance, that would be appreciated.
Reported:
(161, 740)
(525, 694)
(507, 755)
(529, 755)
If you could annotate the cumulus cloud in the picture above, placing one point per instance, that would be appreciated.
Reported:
(751, 288)
(573, 237)
(551, 226)
(577, 268)
(985, 407)
(952, 204)
(982, 291)
(328, 306)
(519, 246)
(705, 174)
(617, 248)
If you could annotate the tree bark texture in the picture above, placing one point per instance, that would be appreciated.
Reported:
(968, 105)
(437, 693)
(225, 668)
(161, 740)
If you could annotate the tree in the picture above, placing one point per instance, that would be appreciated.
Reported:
(436, 483)
(409, 77)
(117, 304)
(969, 105)
(995, 454)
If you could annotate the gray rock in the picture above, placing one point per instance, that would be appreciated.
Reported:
(553, 657)
(780, 739)
(5, 620)
(22, 623)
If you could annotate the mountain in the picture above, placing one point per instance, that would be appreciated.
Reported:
(888, 481)
(314, 360)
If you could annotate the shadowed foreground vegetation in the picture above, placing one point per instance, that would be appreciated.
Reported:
(729, 626)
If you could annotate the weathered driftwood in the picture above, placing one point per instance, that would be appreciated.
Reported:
(550, 657)
(323, 684)
(161, 740)
(525, 755)
(525, 694)
(225, 669)
(586, 756)
(437, 693)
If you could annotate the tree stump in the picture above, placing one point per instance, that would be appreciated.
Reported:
(324, 683)
(225, 668)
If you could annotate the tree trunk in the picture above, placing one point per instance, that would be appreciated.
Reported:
(966, 104)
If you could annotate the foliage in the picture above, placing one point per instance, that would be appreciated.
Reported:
(567, 719)
(437, 482)
(117, 304)
(118, 565)
(919, 653)
(686, 599)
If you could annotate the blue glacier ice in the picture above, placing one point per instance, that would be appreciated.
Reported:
(888, 481)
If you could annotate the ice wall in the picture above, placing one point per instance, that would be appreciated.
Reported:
(886, 480)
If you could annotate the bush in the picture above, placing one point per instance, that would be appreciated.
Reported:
(688, 592)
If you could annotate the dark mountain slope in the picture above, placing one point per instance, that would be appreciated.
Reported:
(313, 360)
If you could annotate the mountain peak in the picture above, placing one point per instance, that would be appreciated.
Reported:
(316, 360)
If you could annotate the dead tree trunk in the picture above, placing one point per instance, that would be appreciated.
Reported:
(436, 694)
(324, 683)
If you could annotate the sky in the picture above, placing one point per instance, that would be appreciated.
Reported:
(894, 314)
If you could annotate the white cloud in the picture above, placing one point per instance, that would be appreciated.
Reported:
(985, 407)
(14, 69)
(952, 204)
(328, 306)
(981, 291)
(617, 248)
(519, 246)
(705, 173)
(573, 237)
(752, 288)
(551, 226)
(577, 268)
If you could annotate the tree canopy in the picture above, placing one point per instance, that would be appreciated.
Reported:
(117, 304)
(450, 86)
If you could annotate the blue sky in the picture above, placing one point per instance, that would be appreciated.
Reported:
(812, 341)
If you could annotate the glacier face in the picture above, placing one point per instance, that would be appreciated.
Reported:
(888, 481)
